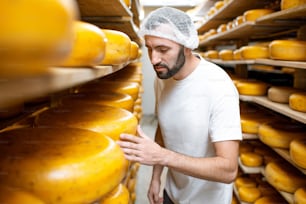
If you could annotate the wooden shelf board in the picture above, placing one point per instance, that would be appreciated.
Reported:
(284, 153)
(56, 79)
(247, 136)
(231, 10)
(282, 63)
(103, 8)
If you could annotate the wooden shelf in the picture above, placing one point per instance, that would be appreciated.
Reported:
(247, 136)
(56, 79)
(278, 107)
(100, 8)
(284, 153)
(231, 10)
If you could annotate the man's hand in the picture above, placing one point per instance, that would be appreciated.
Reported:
(141, 148)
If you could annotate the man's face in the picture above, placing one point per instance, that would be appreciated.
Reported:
(167, 57)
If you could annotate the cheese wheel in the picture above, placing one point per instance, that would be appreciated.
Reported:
(276, 199)
(254, 14)
(292, 50)
(248, 194)
(34, 35)
(279, 134)
(237, 54)
(253, 88)
(114, 99)
(251, 122)
(238, 21)
(226, 54)
(251, 159)
(88, 48)
(219, 4)
(107, 120)
(300, 196)
(280, 94)
(61, 165)
(212, 54)
(287, 4)
(254, 52)
(9, 195)
(297, 101)
(297, 150)
(244, 182)
(222, 28)
(229, 25)
(105, 86)
(284, 177)
(118, 47)
(118, 195)
(134, 53)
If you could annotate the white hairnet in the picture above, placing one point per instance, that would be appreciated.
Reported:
(172, 24)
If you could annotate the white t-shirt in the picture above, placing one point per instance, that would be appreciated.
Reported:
(193, 113)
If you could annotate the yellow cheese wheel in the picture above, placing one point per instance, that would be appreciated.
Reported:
(300, 196)
(297, 151)
(237, 54)
(254, 14)
(34, 35)
(119, 195)
(119, 100)
(61, 165)
(286, 4)
(275, 199)
(253, 88)
(118, 47)
(238, 21)
(212, 54)
(88, 48)
(219, 4)
(107, 120)
(280, 94)
(104, 86)
(134, 53)
(222, 28)
(9, 195)
(284, 177)
(254, 52)
(292, 50)
(244, 182)
(226, 54)
(279, 134)
(248, 194)
(251, 159)
(297, 101)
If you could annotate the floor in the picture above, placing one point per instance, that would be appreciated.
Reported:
(148, 124)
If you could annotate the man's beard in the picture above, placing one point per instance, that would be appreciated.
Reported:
(175, 69)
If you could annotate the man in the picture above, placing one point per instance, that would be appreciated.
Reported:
(198, 117)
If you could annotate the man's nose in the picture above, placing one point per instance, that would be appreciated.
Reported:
(155, 58)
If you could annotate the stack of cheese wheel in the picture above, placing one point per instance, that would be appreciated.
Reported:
(118, 195)
(222, 28)
(287, 4)
(61, 165)
(88, 48)
(254, 52)
(280, 94)
(238, 21)
(292, 50)
(118, 49)
(226, 54)
(300, 195)
(297, 101)
(254, 14)
(29, 46)
(119, 100)
(297, 150)
(107, 120)
(246, 188)
(284, 177)
(280, 133)
(252, 87)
